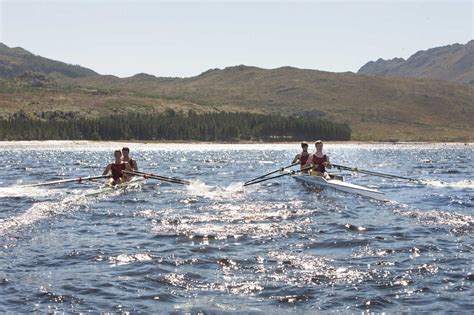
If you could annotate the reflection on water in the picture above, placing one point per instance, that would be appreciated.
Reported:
(216, 246)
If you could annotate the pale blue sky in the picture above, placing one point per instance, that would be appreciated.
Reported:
(186, 38)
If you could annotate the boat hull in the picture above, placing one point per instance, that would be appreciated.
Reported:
(134, 182)
(341, 186)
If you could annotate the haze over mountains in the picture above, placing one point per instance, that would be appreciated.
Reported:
(451, 63)
(376, 108)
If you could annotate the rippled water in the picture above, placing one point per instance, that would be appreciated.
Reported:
(218, 247)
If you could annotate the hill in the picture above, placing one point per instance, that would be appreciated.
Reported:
(453, 63)
(16, 61)
(376, 108)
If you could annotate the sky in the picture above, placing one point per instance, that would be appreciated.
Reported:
(186, 38)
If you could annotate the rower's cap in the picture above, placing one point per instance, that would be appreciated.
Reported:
(304, 144)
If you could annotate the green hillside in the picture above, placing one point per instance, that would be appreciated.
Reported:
(375, 107)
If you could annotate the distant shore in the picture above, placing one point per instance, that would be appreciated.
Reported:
(170, 142)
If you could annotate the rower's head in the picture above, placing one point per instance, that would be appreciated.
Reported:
(125, 151)
(118, 154)
(319, 145)
(304, 146)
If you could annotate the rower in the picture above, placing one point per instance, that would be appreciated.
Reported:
(302, 157)
(116, 169)
(128, 159)
(319, 161)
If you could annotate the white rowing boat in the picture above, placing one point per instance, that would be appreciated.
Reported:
(340, 185)
(134, 183)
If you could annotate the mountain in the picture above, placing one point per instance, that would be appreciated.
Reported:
(453, 63)
(16, 61)
(376, 107)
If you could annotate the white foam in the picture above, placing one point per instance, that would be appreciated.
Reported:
(22, 191)
(466, 183)
(458, 221)
(198, 188)
(124, 259)
(40, 211)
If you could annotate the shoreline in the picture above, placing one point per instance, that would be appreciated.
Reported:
(168, 142)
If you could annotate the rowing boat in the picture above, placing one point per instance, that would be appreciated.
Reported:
(340, 185)
(133, 183)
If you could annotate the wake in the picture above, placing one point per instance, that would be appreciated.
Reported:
(455, 221)
(22, 191)
(198, 188)
(467, 183)
(40, 211)
(70, 203)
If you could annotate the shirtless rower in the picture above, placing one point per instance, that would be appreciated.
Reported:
(128, 159)
(302, 157)
(116, 169)
(319, 161)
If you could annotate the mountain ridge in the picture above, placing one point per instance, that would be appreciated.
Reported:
(377, 108)
(16, 61)
(453, 63)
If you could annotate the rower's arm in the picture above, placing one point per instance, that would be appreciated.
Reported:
(135, 165)
(328, 164)
(107, 170)
(128, 169)
(309, 162)
(297, 158)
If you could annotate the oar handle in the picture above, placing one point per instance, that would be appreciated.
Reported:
(265, 179)
(277, 176)
(273, 172)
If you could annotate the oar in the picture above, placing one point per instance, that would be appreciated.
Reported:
(355, 169)
(62, 181)
(159, 177)
(281, 175)
(163, 177)
(273, 172)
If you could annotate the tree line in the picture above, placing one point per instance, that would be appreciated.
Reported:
(171, 125)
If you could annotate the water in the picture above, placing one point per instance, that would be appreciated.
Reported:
(218, 247)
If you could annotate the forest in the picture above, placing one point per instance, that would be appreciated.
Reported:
(172, 125)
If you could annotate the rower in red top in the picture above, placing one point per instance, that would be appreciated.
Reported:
(128, 159)
(116, 169)
(319, 161)
(302, 157)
